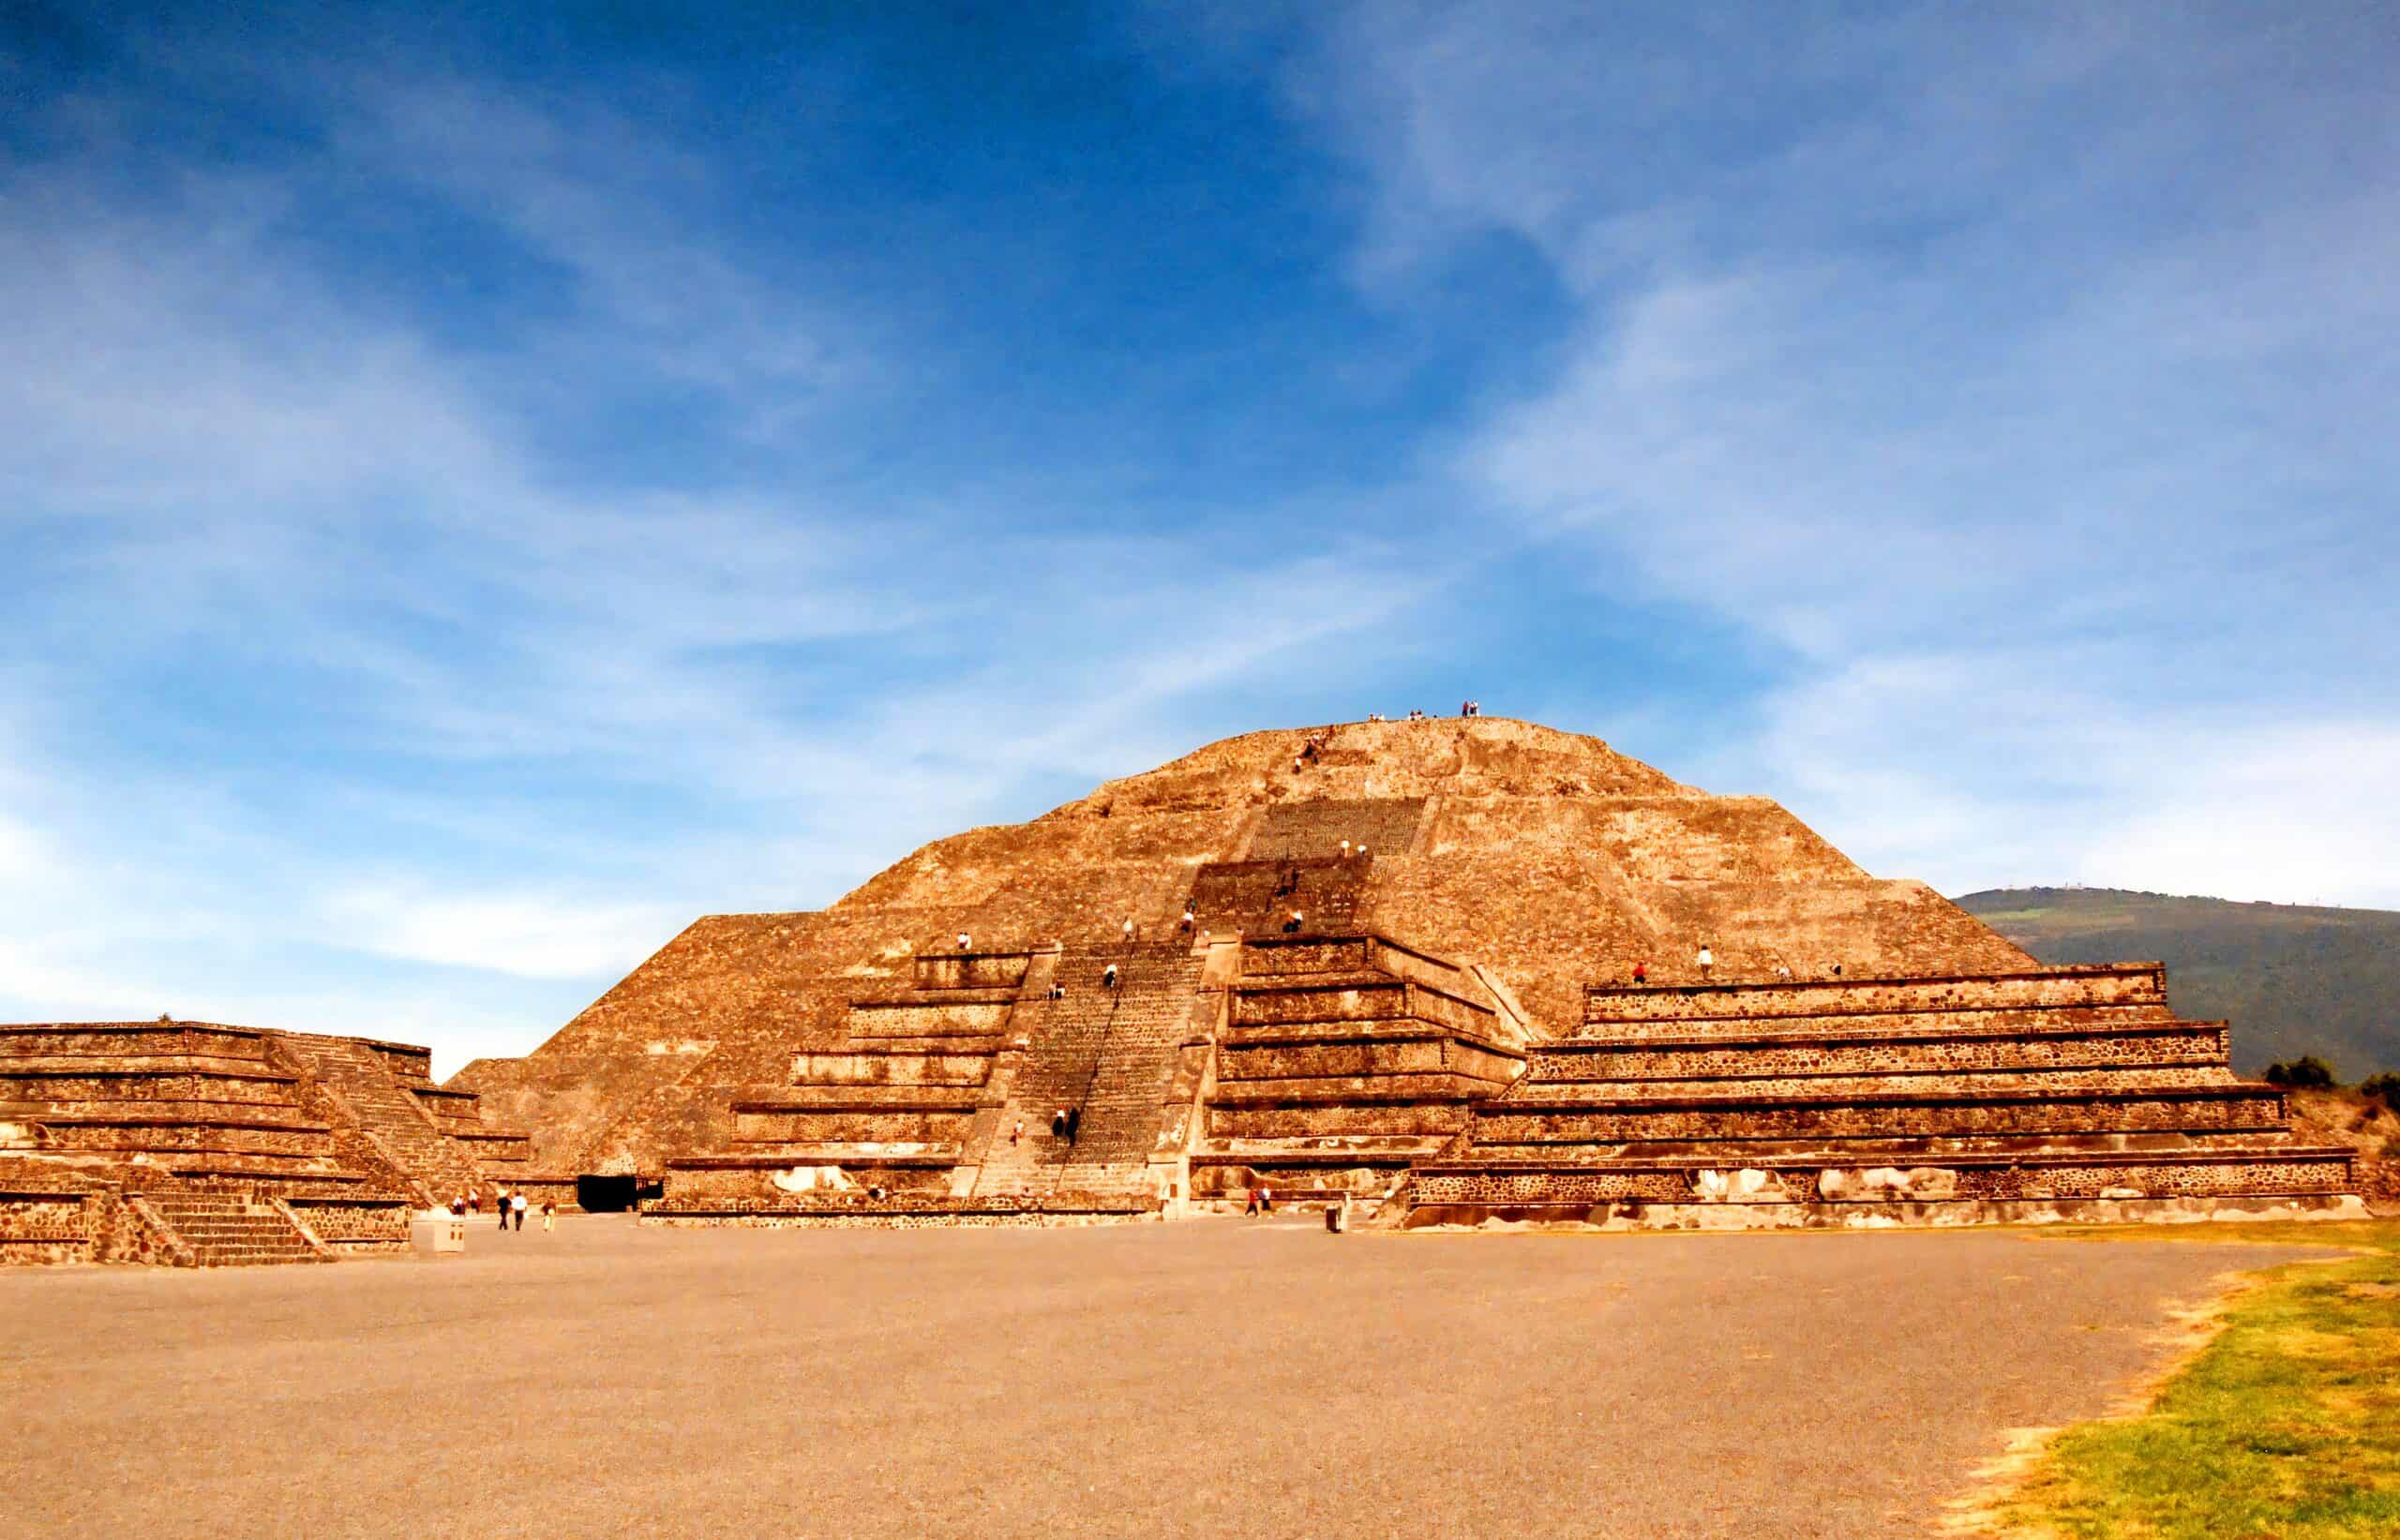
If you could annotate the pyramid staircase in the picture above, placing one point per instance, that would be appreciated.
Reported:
(2049, 1092)
(139, 1124)
(228, 1227)
(1108, 1052)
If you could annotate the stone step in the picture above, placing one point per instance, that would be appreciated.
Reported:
(2097, 984)
(2124, 1080)
(1553, 1122)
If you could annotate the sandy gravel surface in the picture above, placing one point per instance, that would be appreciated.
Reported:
(1221, 1377)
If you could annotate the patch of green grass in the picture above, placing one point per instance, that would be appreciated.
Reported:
(2287, 1424)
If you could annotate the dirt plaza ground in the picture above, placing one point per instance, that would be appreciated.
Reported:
(1216, 1377)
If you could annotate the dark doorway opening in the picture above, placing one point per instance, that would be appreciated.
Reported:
(605, 1195)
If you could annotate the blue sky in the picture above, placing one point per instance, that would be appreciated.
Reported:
(481, 486)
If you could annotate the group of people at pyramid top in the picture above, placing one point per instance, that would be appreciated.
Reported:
(1467, 708)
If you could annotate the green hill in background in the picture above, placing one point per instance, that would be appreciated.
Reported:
(2291, 979)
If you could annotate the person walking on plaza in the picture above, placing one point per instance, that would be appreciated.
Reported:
(549, 1215)
(517, 1206)
(502, 1207)
(1252, 1212)
(1266, 1200)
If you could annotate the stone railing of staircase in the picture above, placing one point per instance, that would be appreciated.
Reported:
(389, 1117)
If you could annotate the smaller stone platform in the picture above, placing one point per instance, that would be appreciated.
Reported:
(196, 1143)
(1344, 1061)
(2036, 1095)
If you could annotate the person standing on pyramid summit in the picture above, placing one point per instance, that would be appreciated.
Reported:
(1707, 961)
(965, 942)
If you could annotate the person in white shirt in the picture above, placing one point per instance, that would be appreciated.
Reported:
(1707, 960)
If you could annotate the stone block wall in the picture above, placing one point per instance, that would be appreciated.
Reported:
(1506, 1125)
(1315, 828)
(1254, 898)
(1616, 1009)
(355, 1225)
(1909, 1050)
(939, 971)
(912, 1018)
(41, 1225)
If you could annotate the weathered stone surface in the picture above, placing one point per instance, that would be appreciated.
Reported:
(1890, 1183)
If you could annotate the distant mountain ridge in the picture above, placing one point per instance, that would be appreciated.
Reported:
(2292, 979)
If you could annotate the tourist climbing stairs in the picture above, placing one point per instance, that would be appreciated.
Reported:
(1106, 1054)
(391, 1114)
(227, 1228)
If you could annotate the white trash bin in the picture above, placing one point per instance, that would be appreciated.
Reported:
(438, 1233)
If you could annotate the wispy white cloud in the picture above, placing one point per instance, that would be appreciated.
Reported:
(531, 934)
(2021, 386)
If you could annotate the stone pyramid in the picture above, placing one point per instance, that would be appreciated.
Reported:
(1459, 882)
